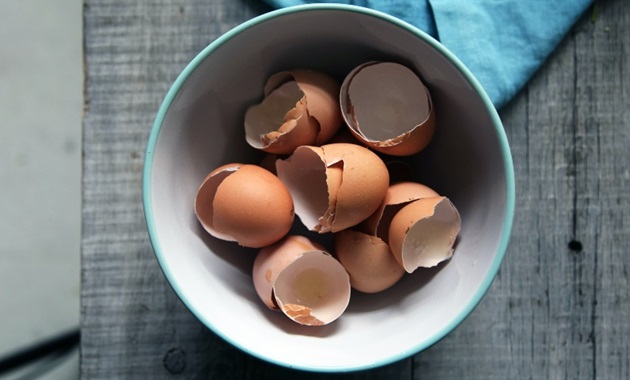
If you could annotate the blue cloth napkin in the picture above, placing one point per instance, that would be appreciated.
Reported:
(502, 42)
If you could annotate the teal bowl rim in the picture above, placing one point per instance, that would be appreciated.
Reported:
(505, 152)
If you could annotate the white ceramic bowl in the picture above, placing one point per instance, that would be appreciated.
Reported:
(200, 126)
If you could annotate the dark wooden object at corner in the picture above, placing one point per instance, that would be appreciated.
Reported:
(560, 306)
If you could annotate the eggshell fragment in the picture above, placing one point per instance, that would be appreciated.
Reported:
(298, 277)
(271, 260)
(280, 123)
(313, 290)
(300, 108)
(368, 260)
(334, 186)
(246, 204)
(422, 233)
(388, 108)
(398, 195)
(322, 101)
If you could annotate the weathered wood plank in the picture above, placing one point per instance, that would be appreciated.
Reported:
(559, 306)
(132, 323)
(602, 222)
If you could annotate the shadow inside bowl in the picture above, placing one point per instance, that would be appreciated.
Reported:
(241, 258)
(277, 318)
(395, 295)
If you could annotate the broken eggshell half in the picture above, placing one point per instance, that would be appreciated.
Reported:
(335, 186)
(388, 108)
(322, 101)
(368, 260)
(298, 277)
(300, 107)
(423, 233)
(244, 203)
(397, 196)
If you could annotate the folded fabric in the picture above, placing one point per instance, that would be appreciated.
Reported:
(502, 42)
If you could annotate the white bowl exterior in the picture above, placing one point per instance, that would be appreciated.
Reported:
(200, 127)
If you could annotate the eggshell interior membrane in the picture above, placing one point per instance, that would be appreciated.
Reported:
(423, 233)
(388, 108)
(368, 260)
(271, 260)
(304, 174)
(334, 186)
(280, 123)
(246, 204)
(313, 290)
(398, 195)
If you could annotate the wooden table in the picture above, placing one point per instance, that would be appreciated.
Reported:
(560, 305)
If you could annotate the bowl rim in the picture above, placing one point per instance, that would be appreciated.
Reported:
(496, 122)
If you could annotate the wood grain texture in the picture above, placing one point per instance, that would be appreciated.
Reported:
(560, 305)
(133, 325)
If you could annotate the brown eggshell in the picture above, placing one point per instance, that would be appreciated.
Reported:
(206, 193)
(363, 186)
(334, 186)
(398, 195)
(271, 260)
(368, 260)
(334, 178)
(246, 204)
(422, 233)
(280, 123)
(388, 108)
(322, 101)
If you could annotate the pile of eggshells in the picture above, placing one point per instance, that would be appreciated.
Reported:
(381, 228)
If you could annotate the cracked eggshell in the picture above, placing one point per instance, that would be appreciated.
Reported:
(297, 276)
(322, 101)
(313, 290)
(246, 204)
(300, 107)
(368, 260)
(423, 233)
(271, 260)
(388, 108)
(335, 186)
(398, 195)
(280, 123)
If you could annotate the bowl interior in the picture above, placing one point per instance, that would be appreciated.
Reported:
(200, 126)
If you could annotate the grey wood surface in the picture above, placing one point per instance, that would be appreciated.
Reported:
(560, 305)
